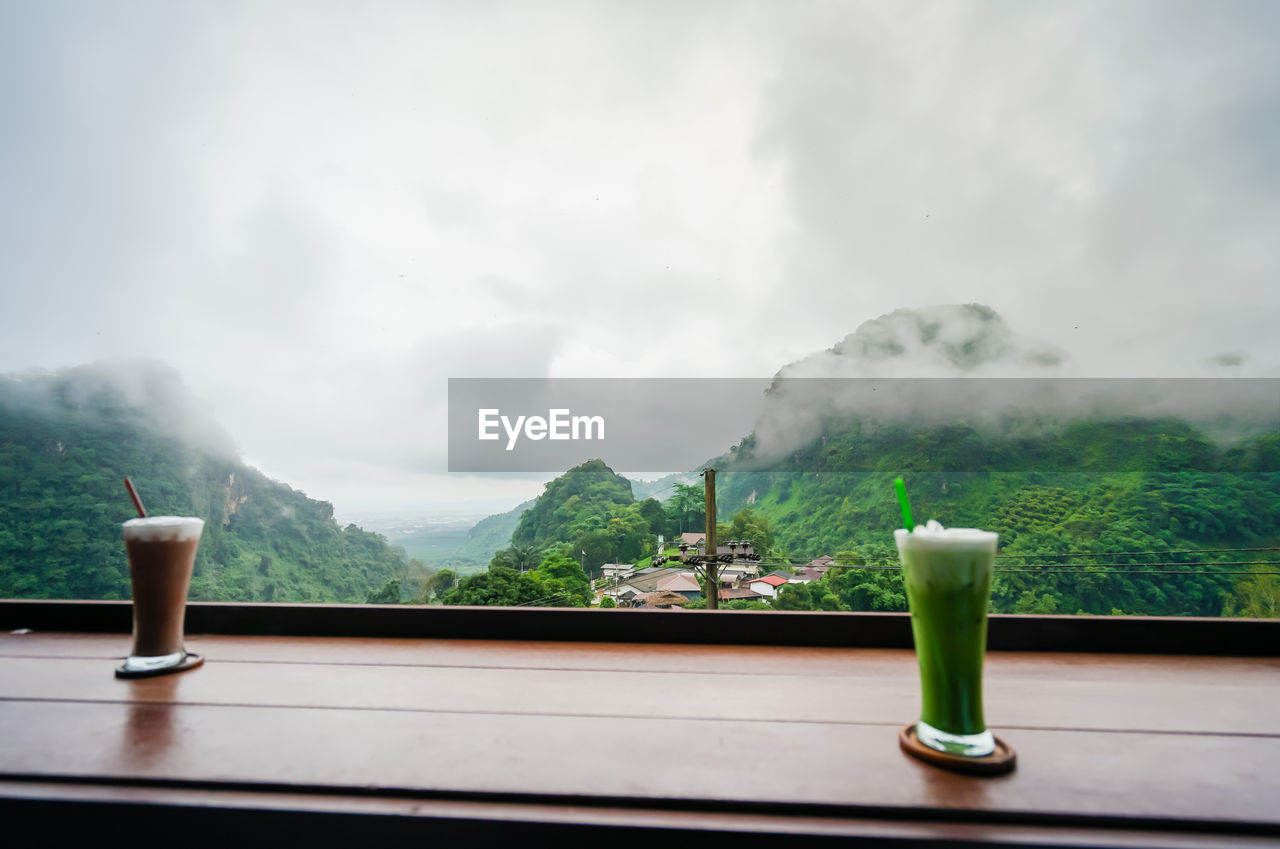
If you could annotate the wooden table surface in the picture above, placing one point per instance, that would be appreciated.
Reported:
(1165, 743)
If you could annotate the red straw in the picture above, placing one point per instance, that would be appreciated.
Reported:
(137, 502)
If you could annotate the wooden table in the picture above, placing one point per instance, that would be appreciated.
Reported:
(348, 738)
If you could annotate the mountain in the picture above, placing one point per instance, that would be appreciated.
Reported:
(663, 487)
(1099, 511)
(68, 438)
(963, 365)
(1106, 471)
(591, 509)
(448, 538)
(584, 518)
(937, 341)
(491, 534)
(1148, 490)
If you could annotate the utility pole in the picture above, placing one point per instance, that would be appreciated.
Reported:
(712, 568)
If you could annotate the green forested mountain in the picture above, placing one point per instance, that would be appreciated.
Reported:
(584, 518)
(68, 439)
(1134, 517)
(1128, 516)
(591, 508)
(490, 534)
(1096, 515)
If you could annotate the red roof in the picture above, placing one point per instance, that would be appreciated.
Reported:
(771, 580)
(730, 595)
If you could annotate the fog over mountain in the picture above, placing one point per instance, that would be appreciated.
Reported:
(963, 364)
(949, 340)
(150, 394)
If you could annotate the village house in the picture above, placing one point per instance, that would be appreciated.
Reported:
(617, 572)
(625, 595)
(684, 583)
(766, 586)
(741, 594)
(813, 570)
(647, 579)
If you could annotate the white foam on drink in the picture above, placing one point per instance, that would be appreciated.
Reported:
(933, 535)
(164, 528)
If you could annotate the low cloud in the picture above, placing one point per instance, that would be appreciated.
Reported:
(962, 364)
(148, 394)
(317, 238)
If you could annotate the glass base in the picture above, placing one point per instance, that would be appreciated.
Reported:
(967, 745)
(135, 663)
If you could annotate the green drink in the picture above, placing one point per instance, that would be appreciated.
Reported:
(948, 578)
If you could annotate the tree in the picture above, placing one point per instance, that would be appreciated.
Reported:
(389, 594)
(651, 511)
(498, 586)
(747, 604)
(794, 597)
(751, 526)
(869, 589)
(1029, 603)
(522, 558)
(686, 503)
(1257, 597)
(560, 567)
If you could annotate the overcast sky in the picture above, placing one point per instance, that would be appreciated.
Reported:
(319, 212)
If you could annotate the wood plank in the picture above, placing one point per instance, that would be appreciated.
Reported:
(882, 689)
(856, 767)
(1007, 632)
(423, 652)
(391, 819)
(649, 657)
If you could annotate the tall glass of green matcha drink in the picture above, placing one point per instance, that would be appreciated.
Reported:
(947, 572)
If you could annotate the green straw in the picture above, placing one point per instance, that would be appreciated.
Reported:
(906, 506)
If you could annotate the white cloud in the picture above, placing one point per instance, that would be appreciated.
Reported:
(319, 212)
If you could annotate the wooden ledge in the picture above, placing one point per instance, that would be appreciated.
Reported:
(1007, 632)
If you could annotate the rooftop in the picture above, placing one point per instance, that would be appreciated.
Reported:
(680, 582)
(732, 594)
(771, 580)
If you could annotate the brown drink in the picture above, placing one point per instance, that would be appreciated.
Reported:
(162, 552)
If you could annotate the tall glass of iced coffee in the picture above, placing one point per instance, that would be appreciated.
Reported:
(947, 572)
(162, 553)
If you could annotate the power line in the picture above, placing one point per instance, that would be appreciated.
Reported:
(893, 564)
(1091, 571)
(544, 601)
(787, 561)
(1101, 568)
(1142, 553)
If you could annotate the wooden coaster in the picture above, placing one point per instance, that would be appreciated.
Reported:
(191, 661)
(1002, 760)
